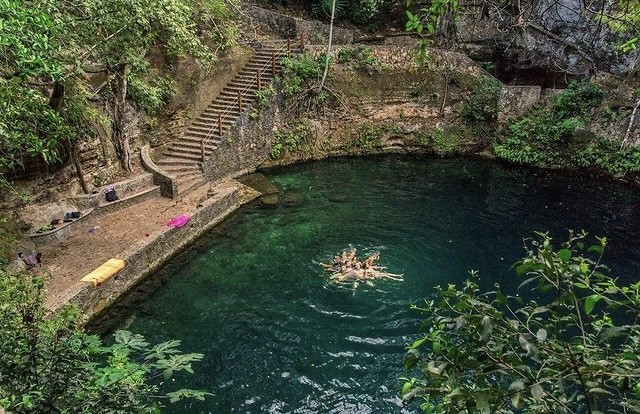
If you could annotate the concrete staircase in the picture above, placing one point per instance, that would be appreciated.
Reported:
(184, 157)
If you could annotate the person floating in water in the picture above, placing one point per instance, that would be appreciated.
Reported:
(348, 268)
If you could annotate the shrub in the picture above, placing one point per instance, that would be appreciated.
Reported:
(290, 139)
(49, 365)
(573, 349)
(482, 105)
(545, 137)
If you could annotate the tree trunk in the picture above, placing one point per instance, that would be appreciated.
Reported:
(326, 62)
(120, 138)
(56, 101)
(73, 154)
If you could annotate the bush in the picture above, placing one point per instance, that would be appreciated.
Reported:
(290, 139)
(546, 136)
(482, 105)
(572, 350)
(300, 71)
(49, 365)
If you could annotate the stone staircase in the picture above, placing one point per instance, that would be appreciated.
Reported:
(184, 157)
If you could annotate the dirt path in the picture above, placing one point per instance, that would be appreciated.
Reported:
(108, 236)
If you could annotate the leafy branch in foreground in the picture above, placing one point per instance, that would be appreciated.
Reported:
(572, 350)
(48, 365)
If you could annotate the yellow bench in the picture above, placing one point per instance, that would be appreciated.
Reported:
(106, 271)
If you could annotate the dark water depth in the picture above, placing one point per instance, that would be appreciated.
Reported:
(278, 338)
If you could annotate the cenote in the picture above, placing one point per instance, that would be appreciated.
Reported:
(279, 338)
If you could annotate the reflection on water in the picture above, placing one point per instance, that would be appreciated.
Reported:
(278, 338)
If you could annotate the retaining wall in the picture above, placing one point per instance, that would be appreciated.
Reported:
(143, 258)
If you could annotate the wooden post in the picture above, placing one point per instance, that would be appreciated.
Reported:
(202, 148)
(302, 40)
(239, 101)
(259, 80)
(288, 47)
(220, 125)
(273, 63)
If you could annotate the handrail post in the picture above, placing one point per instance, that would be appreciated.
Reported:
(273, 63)
(239, 101)
(202, 148)
(288, 47)
(220, 125)
(259, 83)
(302, 40)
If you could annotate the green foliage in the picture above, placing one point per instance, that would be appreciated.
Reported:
(28, 44)
(363, 56)
(547, 136)
(49, 365)
(482, 105)
(28, 126)
(263, 100)
(49, 42)
(370, 136)
(437, 20)
(290, 139)
(442, 141)
(322, 8)
(573, 350)
(300, 72)
(9, 234)
(150, 96)
(366, 11)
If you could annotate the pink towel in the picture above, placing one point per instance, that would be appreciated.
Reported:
(178, 221)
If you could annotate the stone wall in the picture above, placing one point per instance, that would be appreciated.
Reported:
(143, 258)
(246, 145)
(402, 58)
(515, 100)
(290, 27)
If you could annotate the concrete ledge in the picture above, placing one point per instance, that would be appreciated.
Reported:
(168, 183)
(136, 198)
(59, 233)
(147, 255)
(123, 189)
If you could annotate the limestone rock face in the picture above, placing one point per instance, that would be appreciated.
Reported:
(542, 42)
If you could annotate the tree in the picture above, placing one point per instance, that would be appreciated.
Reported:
(572, 349)
(116, 38)
(49, 365)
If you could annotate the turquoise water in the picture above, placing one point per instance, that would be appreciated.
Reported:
(278, 338)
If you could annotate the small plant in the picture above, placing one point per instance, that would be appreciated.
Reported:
(442, 141)
(290, 139)
(299, 72)
(370, 136)
(482, 105)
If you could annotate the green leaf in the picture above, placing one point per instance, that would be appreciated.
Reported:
(590, 303)
(418, 343)
(564, 255)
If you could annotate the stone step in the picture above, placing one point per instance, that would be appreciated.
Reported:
(168, 163)
(222, 108)
(209, 135)
(184, 156)
(184, 150)
(212, 123)
(180, 169)
(187, 184)
(192, 143)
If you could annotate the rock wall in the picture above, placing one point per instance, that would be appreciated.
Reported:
(290, 27)
(543, 42)
(246, 145)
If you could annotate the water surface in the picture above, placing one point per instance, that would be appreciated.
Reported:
(278, 338)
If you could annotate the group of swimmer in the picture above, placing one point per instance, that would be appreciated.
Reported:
(348, 268)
